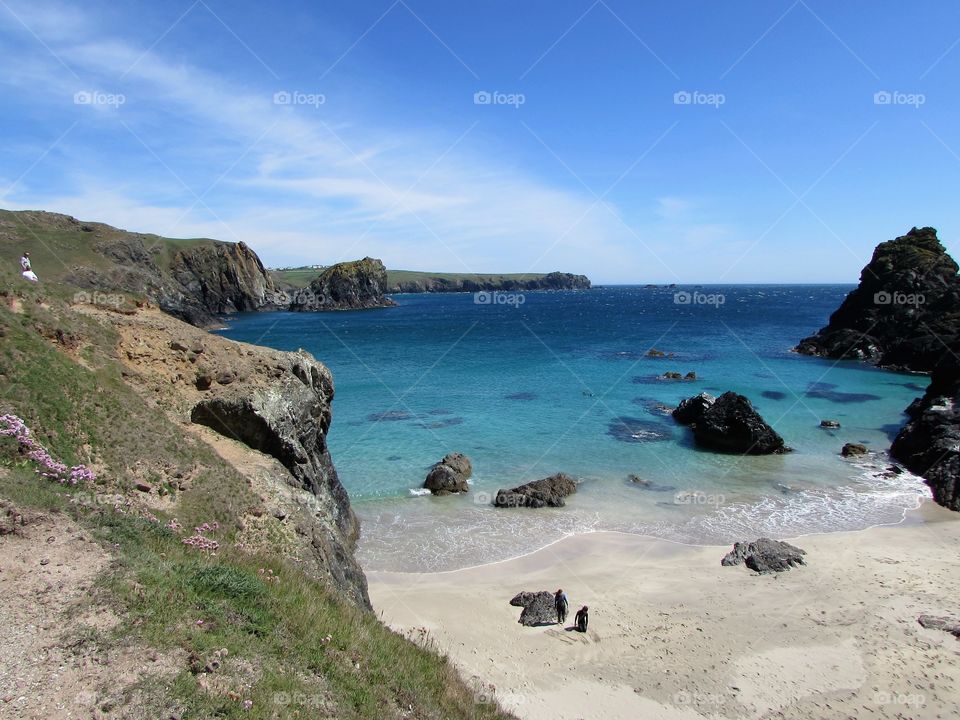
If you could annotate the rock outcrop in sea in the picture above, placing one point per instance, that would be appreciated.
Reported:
(356, 285)
(548, 492)
(440, 283)
(729, 424)
(449, 475)
(903, 314)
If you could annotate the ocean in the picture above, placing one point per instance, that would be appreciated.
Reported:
(532, 384)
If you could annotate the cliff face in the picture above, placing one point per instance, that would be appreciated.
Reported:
(929, 444)
(222, 278)
(357, 285)
(905, 315)
(277, 404)
(196, 283)
(550, 281)
(904, 312)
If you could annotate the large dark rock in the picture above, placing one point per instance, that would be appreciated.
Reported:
(538, 608)
(449, 475)
(730, 424)
(692, 409)
(929, 444)
(765, 555)
(478, 283)
(288, 420)
(903, 313)
(548, 492)
(356, 285)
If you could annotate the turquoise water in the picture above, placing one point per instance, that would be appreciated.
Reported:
(559, 381)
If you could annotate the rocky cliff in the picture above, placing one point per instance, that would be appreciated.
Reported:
(904, 312)
(929, 444)
(479, 283)
(278, 405)
(194, 280)
(357, 285)
(905, 315)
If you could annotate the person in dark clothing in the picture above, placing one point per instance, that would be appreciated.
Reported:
(561, 603)
(581, 619)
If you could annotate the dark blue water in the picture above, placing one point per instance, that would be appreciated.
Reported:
(561, 381)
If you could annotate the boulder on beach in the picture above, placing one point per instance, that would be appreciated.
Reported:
(538, 608)
(729, 424)
(548, 492)
(692, 409)
(933, 622)
(853, 450)
(449, 475)
(765, 555)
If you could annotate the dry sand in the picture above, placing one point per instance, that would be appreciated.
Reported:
(675, 635)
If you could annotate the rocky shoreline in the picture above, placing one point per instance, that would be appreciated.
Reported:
(905, 316)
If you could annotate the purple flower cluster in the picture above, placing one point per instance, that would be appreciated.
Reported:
(199, 539)
(13, 426)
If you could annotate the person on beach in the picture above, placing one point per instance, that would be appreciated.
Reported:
(561, 603)
(26, 270)
(581, 619)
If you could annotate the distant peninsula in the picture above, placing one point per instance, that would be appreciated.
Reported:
(414, 281)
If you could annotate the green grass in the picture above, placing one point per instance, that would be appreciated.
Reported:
(56, 247)
(275, 631)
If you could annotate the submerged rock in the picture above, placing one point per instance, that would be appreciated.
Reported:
(548, 492)
(765, 555)
(729, 424)
(449, 475)
(538, 608)
(829, 423)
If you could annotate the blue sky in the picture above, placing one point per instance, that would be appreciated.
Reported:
(324, 131)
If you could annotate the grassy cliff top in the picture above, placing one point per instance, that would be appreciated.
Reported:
(58, 243)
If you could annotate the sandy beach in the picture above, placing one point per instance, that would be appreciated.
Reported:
(675, 635)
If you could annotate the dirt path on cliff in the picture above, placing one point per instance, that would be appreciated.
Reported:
(52, 663)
